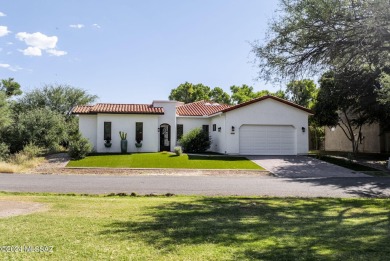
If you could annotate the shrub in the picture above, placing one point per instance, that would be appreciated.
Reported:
(32, 151)
(178, 150)
(195, 141)
(4, 151)
(79, 147)
(29, 152)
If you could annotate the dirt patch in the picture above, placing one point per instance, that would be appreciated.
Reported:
(16, 208)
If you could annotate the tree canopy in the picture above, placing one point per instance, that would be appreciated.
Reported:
(40, 117)
(188, 92)
(5, 119)
(10, 87)
(302, 92)
(349, 100)
(309, 36)
(57, 97)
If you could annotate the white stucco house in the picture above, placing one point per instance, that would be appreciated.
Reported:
(263, 126)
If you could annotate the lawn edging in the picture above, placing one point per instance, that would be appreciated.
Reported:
(155, 171)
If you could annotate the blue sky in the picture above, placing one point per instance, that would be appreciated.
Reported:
(132, 51)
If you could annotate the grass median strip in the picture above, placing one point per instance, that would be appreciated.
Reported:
(165, 160)
(344, 163)
(199, 228)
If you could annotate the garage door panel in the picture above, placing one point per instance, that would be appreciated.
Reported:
(267, 140)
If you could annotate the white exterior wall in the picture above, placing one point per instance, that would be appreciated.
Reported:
(266, 112)
(126, 123)
(88, 128)
(169, 117)
(218, 138)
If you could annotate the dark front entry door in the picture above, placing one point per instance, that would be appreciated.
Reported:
(165, 137)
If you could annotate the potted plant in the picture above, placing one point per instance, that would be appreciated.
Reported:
(138, 143)
(123, 136)
(107, 142)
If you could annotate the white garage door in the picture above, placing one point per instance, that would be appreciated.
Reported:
(267, 140)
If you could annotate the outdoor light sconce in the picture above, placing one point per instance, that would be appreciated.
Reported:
(219, 129)
(303, 129)
(233, 129)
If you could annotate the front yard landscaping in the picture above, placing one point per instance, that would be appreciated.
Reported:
(199, 228)
(165, 160)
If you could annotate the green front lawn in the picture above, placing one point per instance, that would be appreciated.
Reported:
(165, 160)
(199, 228)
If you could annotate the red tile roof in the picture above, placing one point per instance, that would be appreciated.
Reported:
(118, 109)
(268, 97)
(200, 108)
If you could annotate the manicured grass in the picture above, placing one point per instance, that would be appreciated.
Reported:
(165, 160)
(344, 163)
(200, 228)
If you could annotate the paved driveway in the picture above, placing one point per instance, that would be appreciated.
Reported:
(302, 167)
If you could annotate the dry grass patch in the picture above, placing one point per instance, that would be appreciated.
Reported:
(20, 166)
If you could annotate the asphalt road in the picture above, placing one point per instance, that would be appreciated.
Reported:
(198, 185)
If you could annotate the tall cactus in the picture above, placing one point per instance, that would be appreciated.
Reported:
(123, 135)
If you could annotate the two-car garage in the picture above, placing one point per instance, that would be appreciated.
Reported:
(267, 140)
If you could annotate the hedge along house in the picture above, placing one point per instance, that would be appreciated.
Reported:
(263, 126)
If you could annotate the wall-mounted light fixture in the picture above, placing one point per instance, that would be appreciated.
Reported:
(303, 129)
(219, 129)
(233, 128)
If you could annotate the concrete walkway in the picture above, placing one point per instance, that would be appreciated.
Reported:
(303, 167)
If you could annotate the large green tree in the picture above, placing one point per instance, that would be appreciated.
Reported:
(40, 126)
(5, 116)
(42, 117)
(349, 100)
(57, 97)
(188, 92)
(302, 92)
(308, 36)
(219, 95)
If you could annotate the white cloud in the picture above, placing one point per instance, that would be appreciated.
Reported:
(37, 42)
(55, 52)
(4, 30)
(32, 51)
(77, 26)
(9, 67)
(2, 14)
(96, 26)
